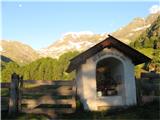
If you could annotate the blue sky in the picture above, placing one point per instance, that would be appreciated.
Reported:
(39, 24)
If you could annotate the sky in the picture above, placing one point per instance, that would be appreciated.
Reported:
(41, 23)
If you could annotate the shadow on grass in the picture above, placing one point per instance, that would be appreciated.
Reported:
(23, 116)
(148, 111)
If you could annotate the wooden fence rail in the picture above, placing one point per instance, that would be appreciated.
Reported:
(5, 85)
(42, 97)
(48, 97)
(149, 87)
(4, 96)
(51, 82)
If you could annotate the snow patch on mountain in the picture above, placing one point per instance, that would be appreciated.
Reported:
(120, 28)
(72, 41)
(141, 28)
(1, 48)
(79, 45)
(130, 34)
(75, 34)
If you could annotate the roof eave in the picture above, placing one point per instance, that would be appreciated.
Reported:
(139, 59)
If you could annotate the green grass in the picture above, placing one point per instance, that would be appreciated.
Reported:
(148, 111)
(23, 116)
(147, 51)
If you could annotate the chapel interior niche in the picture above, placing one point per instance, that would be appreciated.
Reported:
(109, 76)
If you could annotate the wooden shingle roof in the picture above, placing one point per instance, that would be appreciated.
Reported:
(110, 41)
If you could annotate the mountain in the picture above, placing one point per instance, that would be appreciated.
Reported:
(18, 52)
(72, 41)
(132, 30)
(81, 41)
(150, 38)
(75, 41)
(149, 43)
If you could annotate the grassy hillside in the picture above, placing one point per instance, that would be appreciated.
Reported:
(146, 51)
(148, 43)
(149, 38)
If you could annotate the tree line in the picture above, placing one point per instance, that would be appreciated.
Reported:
(41, 69)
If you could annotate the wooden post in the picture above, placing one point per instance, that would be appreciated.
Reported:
(141, 90)
(74, 96)
(20, 93)
(13, 94)
(138, 90)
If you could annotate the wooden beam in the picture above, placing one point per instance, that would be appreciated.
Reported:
(49, 93)
(5, 85)
(51, 82)
(47, 88)
(32, 103)
(48, 110)
(150, 75)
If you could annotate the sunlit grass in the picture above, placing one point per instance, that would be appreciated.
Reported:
(146, 51)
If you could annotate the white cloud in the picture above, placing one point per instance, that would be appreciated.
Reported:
(154, 9)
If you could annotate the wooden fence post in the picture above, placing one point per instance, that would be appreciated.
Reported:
(13, 94)
(74, 95)
(20, 93)
(140, 91)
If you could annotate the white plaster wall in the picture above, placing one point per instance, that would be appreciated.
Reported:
(86, 82)
(79, 84)
(130, 84)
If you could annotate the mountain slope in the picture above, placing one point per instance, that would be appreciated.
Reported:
(149, 43)
(18, 52)
(72, 41)
(131, 31)
(149, 38)
(81, 41)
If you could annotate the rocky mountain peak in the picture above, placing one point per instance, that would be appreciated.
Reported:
(75, 41)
